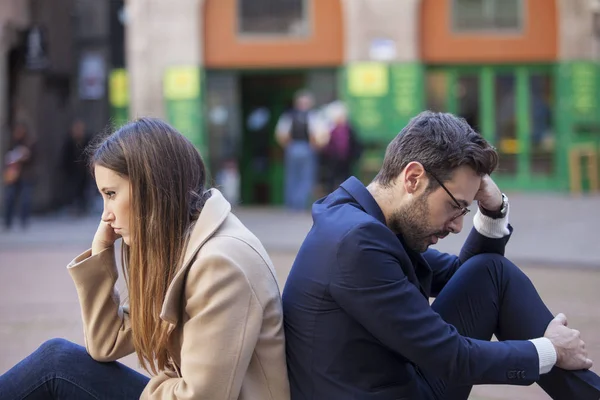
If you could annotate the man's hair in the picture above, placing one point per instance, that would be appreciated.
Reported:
(441, 142)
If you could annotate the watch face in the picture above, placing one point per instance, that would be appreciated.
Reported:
(504, 204)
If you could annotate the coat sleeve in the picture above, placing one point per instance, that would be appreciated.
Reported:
(445, 265)
(219, 338)
(369, 284)
(106, 325)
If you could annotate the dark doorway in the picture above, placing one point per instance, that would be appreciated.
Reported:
(264, 97)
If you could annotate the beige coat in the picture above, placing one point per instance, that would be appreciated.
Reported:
(224, 308)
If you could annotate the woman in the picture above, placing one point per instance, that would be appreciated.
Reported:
(342, 150)
(204, 313)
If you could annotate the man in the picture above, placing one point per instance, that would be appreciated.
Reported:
(358, 320)
(300, 132)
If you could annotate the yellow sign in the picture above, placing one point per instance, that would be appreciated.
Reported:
(118, 88)
(182, 83)
(368, 80)
(509, 146)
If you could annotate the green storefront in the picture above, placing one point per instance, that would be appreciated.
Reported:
(542, 118)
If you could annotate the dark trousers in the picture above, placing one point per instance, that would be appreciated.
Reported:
(63, 370)
(490, 295)
(300, 174)
(18, 195)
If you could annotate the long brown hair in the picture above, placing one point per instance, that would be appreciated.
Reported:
(167, 178)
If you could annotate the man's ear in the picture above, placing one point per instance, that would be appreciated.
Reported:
(415, 178)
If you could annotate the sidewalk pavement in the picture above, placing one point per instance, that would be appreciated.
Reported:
(549, 229)
(38, 300)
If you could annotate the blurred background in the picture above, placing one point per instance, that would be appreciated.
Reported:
(524, 73)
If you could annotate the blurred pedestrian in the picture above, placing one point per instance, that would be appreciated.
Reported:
(74, 165)
(343, 149)
(204, 312)
(301, 132)
(19, 176)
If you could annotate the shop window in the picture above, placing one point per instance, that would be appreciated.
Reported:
(506, 122)
(467, 92)
(487, 15)
(543, 138)
(273, 17)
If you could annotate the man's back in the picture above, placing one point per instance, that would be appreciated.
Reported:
(330, 354)
(358, 321)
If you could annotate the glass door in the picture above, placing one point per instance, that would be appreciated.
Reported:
(513, 108)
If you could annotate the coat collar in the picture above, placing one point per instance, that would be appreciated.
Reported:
(360, 193)
(215, 211)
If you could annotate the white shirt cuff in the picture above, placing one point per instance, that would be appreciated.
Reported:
(546, 354)
(490, 227)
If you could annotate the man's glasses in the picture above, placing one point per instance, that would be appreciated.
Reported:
(463, 210)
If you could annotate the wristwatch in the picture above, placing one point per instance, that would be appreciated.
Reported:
(499, 213)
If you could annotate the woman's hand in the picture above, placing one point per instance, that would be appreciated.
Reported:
(104, 238)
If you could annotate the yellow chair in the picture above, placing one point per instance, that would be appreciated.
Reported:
(576, 154)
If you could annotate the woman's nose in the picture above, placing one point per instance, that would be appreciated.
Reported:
(107, 216)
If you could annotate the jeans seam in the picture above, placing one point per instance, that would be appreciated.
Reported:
(57, 376)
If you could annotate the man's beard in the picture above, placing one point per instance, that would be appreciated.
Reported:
(412, 223)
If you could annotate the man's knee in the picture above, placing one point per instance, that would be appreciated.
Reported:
(492, 263)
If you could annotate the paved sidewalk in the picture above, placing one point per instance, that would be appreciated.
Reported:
(554, 235)
(552, 230)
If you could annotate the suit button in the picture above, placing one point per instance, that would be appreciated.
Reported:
(521, 374)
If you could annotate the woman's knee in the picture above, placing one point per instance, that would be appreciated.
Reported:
(57, 353)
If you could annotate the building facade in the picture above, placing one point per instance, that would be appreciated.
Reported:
(54, 63)
(523, 72)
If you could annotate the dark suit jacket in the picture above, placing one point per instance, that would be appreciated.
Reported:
(358, 322)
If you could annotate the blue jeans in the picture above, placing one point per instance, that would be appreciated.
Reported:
(490, 295)
(59, 369)
(19, 192)
(300, 174)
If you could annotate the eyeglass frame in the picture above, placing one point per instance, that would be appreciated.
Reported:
(463, 210)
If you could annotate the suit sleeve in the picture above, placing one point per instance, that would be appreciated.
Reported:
(492, 240)
(443, 267)
(368, 283)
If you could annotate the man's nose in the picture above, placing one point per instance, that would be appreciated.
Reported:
(456, 225)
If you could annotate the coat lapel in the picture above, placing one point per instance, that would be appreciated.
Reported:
(215, 211)
(422, 275)
(419, 272)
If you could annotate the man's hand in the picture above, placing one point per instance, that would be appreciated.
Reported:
(570, 349)
(489, 195)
